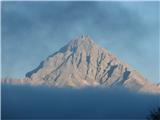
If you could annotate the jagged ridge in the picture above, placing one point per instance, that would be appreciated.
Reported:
(83, 63)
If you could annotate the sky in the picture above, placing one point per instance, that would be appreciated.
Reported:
(31, 31)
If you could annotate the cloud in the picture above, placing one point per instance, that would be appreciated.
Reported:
(125, 28)
(54, 103)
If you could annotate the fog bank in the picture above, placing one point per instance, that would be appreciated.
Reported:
(25, 102)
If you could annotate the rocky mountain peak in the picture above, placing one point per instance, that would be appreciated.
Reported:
(86, 39)
(81, 41)
(84, 63)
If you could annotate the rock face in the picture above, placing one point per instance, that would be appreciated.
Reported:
(84, 63)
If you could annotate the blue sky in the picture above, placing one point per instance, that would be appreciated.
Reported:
(31, 31)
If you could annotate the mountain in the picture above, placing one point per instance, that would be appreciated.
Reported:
(83, 63)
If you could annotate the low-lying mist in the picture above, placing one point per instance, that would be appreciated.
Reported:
(25, 102)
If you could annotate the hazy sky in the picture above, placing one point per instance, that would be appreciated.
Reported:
(31, 31)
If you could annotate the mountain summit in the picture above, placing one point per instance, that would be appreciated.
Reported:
(83, 63)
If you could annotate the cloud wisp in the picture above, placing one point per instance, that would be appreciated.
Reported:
(128, 29)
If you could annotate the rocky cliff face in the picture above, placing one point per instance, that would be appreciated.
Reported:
(84, 63)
